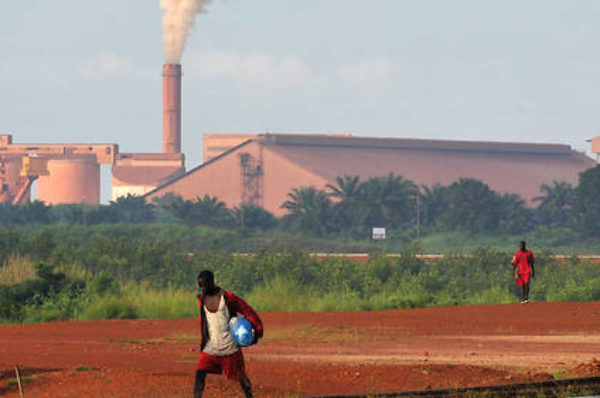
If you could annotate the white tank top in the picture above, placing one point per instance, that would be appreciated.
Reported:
(220, 342)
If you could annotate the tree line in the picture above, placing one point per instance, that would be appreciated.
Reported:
(351, 207)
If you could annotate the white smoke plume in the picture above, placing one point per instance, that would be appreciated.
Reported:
(178, 20)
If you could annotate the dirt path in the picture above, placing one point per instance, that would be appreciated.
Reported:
(311, 353)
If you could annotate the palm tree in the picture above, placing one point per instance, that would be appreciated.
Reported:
(171, 207)
(169, 201)
(587, 205)
(387, 201)
(345, 192)
(434, 203)
(513, 215)
(345, 188)
(133, 209)
(209, 210)
(556, 202)
(253, 217)
(309, 210)
(472, 205)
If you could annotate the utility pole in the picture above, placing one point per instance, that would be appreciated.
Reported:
(418, 217)
(83, 211)
(243, 215)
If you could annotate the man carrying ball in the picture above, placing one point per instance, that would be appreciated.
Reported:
(219, 352)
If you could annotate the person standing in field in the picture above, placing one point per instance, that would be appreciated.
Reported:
(523, 268)
(219, 352)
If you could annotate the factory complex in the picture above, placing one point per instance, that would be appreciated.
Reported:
(261, 169)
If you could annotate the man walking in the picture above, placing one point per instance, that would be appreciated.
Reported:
(523, 268)
(219, 353)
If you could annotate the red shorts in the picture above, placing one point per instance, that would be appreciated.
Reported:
(522, 279)
(230, 365)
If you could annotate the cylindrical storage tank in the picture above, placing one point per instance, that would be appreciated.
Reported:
(70, 180)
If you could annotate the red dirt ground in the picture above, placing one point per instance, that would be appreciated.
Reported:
(310, 353)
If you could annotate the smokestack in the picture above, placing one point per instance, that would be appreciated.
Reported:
(172, 108)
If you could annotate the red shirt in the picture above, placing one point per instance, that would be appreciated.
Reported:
(523, 260)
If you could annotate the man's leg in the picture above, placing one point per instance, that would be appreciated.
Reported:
(247, 387)
(526, 291)
(199, 383)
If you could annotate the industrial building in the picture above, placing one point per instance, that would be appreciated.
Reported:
(65, 173)
(215, 144)
(263, 168)
(138, 173)
(70, 173)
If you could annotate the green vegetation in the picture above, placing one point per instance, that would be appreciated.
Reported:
(347, 210)
(132, 259)
(108, 278)
(85, 369)
(14, 382)
(16, 270)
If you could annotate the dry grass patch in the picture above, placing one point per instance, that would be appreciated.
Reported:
(16, 270)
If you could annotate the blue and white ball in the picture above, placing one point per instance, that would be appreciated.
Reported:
(241, 331)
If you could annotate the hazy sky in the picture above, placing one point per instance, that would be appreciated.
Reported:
(84, 70)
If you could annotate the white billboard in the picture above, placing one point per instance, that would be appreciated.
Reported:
(378, 233)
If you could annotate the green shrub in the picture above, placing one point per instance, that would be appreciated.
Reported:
(494, 295)
(109, 307)
(49, 290)
(129, 271)
(169, 303)
(282, 294)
